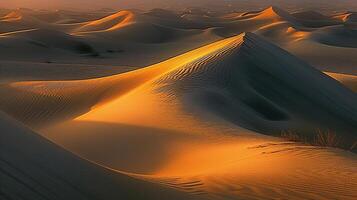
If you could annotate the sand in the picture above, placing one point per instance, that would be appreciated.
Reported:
(164, 104)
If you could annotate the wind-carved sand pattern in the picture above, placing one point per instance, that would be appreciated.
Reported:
(215, 106)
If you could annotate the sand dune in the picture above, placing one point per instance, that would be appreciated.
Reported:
(12, 16)
(109, 23)
(349, 81)
(66, 97)
(30, 168)
(192, 104)
(274, 14)
(215, 154)
(314, 19)
(340, 36)
(51, 39)
(266, 108)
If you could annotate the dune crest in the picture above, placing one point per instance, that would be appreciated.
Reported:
(275, 14)
(67, 96)
(12, 16)
(109, 23)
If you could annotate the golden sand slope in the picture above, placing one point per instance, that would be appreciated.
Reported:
(12, 16)
(349, 81)
(68, 99)
(109, 23)
(34, 168)
(201, 152)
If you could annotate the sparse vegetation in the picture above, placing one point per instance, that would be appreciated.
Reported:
(324, 138)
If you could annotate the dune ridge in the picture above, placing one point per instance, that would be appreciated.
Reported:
(217, 73)
(109, 23)
(67, 96)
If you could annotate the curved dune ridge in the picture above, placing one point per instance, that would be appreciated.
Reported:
(274, 13)
(228, 84)
(12, 16)
(109, 23)
(65, 98)
(349, 81)
(30, 168)
(347, 17)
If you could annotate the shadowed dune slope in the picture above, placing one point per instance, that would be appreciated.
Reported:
(261, 87)
(45, 39)
(34, 168)
(314, 19)
(340, 36)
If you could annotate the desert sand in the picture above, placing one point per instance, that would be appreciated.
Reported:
(159, 104)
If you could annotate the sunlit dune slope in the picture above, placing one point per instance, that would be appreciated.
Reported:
(347, 17)
(34, 168)
(109, 23)
(67, 99)
(274, 14)
(349, 81)
(12, 16)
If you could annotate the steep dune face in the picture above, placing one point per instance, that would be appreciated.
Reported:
(34, 168)
(254, 84)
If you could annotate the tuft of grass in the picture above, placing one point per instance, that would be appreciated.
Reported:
(326, 139)
(291, 136)
(323, 138)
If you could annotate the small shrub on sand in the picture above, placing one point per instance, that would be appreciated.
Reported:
(322, 138)
(326, 139)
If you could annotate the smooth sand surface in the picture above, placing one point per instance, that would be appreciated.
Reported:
(166, 105)
(35, 168)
